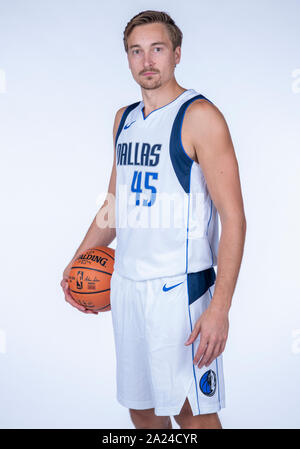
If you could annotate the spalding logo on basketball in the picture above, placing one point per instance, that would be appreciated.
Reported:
(89, 278)
(208, 383)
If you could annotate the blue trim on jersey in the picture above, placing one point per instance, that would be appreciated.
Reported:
(187, 229)
(212, 256)
(217, 373)
(199, 283)
(144, 118)
(209, 217)
(123, 119)
(181, 161)
(195, 379)
(187, 284)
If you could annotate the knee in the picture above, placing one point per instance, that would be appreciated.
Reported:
(205, 421)
(138, 418)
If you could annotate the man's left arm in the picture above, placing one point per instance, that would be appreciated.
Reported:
(211, 140)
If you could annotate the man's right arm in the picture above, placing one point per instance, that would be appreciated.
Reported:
(96, 236)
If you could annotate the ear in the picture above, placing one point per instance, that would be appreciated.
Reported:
(177, 52)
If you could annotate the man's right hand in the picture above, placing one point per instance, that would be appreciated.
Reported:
(65, 286)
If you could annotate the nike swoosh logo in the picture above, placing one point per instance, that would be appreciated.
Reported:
(127, 126)
(165, 289)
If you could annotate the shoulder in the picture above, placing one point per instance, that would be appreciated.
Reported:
(204, 127)
(119, 113)
(118, 117)
(202, 115)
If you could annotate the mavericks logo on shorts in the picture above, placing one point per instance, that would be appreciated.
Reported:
(208, 383)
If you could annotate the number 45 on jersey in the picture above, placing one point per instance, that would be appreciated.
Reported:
(141, 183)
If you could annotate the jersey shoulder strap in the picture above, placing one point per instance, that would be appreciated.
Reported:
(124, 117)
(180, 160)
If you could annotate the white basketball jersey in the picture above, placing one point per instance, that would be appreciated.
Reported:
(166, 222)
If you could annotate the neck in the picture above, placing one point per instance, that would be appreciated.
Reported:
(157, 98)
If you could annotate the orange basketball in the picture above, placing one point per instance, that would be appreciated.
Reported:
(89, 278)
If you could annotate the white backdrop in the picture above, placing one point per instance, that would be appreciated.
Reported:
(63, 75)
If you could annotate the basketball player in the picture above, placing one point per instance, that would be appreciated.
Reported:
(169, 308)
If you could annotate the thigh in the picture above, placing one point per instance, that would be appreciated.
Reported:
(134, 388)
(170, 316)
(167, 328)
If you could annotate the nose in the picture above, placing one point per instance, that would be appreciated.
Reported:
(148, 61)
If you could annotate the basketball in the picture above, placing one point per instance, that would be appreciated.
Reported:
(89, 278)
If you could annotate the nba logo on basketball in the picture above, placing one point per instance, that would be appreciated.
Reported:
(79, 279)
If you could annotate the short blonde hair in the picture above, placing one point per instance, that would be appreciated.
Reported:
(150, 16)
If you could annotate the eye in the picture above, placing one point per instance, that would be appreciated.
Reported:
(157, 48)
(133, 51)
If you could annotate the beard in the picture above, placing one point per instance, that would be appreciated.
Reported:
(150, 83)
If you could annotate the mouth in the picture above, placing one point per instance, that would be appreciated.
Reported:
(149, 73)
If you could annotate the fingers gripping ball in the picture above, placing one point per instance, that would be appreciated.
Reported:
(89, 278)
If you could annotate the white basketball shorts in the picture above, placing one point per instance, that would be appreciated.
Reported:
(152, 319)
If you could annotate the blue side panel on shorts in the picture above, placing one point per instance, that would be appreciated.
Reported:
(180, 159)
(199, 283)
(123, 118)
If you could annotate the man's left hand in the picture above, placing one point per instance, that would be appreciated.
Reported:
(213, 326)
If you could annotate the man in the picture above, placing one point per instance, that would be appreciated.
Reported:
(169, 309)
